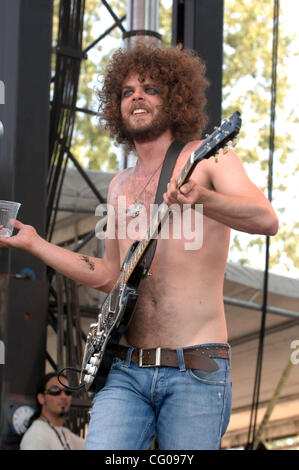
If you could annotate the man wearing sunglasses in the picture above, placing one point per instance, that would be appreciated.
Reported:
(46, 430)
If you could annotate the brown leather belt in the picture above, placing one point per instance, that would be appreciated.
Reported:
(199, 357)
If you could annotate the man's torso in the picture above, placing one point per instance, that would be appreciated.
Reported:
(180, 304)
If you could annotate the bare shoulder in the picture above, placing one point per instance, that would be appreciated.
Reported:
(120, 177)
(213, 172)
(229, 176)
(191, 147)
(188, 149)
(118, 184)
(227, 162)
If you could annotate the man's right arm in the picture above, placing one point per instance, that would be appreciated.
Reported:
(94, 272)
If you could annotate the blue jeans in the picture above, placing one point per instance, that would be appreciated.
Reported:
(184, 408)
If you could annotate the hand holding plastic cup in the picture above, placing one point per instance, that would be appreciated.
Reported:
(8, 212)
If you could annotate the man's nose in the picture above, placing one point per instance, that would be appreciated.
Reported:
(138, 95)
(137, 98)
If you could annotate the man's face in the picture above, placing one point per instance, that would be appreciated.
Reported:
(55, 404)
(142, 109)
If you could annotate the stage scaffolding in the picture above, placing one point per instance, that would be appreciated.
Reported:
(197, 24)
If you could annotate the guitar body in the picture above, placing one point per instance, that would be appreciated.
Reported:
(119, 305)
(113, 318)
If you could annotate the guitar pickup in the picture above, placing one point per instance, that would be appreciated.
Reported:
(111, 309)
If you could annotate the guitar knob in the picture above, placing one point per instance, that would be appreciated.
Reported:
(92, 370)
(95, 361)
(88, 379)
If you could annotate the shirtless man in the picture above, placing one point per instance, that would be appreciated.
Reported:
(150, 98)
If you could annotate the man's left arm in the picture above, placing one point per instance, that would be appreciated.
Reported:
(234, 200)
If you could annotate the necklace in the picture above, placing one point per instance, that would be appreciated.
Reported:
(64, 444)
(134, 209)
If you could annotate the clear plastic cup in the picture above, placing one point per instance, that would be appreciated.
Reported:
(8, 211)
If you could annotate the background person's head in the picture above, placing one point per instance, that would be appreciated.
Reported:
(53, 399)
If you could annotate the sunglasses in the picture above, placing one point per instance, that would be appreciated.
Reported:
(55, 391)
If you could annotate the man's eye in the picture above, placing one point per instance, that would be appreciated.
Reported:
(152, 91)
(126, 93)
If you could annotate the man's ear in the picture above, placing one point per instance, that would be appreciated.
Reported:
(40, 398)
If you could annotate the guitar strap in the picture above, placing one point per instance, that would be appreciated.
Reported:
(167, 168)
(166, 172)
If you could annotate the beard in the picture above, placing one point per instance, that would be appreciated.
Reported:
(63, 412)
(147, 132)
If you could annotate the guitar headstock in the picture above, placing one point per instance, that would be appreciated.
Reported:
(222, 136)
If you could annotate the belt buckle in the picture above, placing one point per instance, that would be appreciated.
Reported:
(157, 359)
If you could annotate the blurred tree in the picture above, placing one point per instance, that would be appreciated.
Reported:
(247, 80)
(248, 26)
(91, 144)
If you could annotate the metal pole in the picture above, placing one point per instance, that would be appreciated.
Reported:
(253, 306)
(257, 385)
(272, 403)
(25, 58)
(142, 21)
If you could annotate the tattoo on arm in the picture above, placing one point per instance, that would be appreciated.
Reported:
(90, 263)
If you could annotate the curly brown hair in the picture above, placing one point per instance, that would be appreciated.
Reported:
(181, 77)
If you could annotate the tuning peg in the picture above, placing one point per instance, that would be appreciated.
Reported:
(216, 157)
(225, 149)
(234, 141)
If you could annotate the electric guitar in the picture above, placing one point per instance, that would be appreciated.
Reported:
(118, 306)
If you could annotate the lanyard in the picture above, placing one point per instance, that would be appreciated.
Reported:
(64, 444)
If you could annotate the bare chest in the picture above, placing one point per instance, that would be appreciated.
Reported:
(136, 210)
